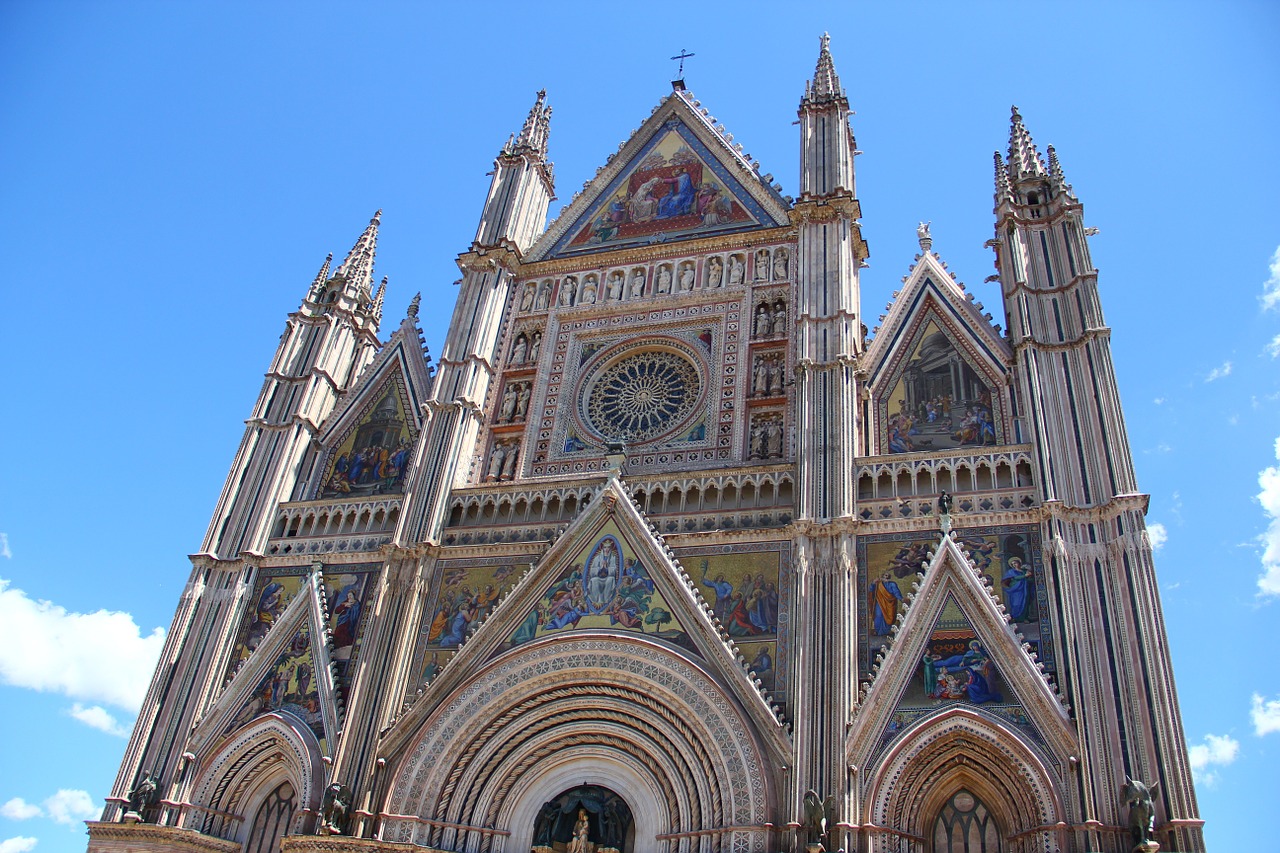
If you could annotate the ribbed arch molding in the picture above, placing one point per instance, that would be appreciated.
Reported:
(962, 749)
(626, 714)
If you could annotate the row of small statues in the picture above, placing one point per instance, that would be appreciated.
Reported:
(766, 438)
(526, 348)
(770, 320)
(683, 280)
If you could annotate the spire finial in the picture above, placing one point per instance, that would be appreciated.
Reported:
(1024, 159)
(413, 306)
(1057, 179)
(923, 235)
(825, 85)
(317, 284)
(1004, 190)
(357, 269)
(536, 129)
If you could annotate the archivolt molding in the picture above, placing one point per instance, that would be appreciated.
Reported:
(273, 745)
(629, 702)
(961, 748)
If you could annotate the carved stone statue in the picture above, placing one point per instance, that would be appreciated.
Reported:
(1138, 796)
(637, 283)
(508, 409)
(686, 278)
(143, 796)
(762, 265)
(736, 269)
(664, 279)
(334, 809)
(615, 285)
(819, 819)
(612, 828)
(544, 296)
(580, 843)
(520, 350)
(526, 298)
(715, 272)
(536, 346)
(780, 265)
(763, 323)
(546, 825)
(923, 235)
(944, 511)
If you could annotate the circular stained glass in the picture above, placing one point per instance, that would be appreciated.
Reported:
(643, 396)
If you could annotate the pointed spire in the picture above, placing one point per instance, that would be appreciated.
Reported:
(1057, 179)
(537, 127)
(412, 312)
(317, 284)
(378, 298)
(825, 85)
(1024, 159)
(1004, 189)
(357, 269)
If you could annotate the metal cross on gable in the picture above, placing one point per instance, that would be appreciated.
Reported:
(682, 56)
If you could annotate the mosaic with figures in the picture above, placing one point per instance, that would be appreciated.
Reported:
(939, 400)
(955, 667)
(372, 458)
(290, 682)
(464, 593)
(1010, 557)
(674, 188)
(749, 589)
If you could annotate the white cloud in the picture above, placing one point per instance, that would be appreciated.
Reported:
(18, 844)
(1216, 751)
(8, 555)
(1219, 372)
(97, 717)
(1158, 534)
(20, 809)
(100, 656)
(1273, 350)
(71, 806)
(1269, 497)
(1270, 297)
(1159, 401)
(1266, 715)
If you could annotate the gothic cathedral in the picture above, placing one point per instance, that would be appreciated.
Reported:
(668, 554)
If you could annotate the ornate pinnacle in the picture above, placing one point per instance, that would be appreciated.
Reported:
(825, 86)
(321, 277)
(1024, 159)
(537, 127)
(1004, 190)
(357, 269)
(413, 306)
(1056, 178)
(376, 309)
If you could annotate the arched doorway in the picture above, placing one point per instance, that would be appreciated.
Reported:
(965, 825)
(585, 819)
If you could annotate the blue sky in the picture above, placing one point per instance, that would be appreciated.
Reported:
(174, 175)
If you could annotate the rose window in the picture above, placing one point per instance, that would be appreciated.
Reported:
(643, 396)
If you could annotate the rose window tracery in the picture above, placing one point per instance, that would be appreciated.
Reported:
(643, 396)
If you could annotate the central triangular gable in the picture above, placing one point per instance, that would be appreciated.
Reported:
(677, 177)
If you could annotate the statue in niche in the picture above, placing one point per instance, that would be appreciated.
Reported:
(544, 297)
(686, 277)
(736, 269)
(334, 809)
(509, 463)
(715, 272)
(526, 298)
(758, 439)
(637, 282)
(1138, 796)
(763, 324)
(780, 265)
(536, 346)
(775, 375)
(546, 824)
(760, 378)
(664, 279)
(762, 265)
(568, 291)
(522, 401)
(615, 285)
(580, 842)
(773, 438)
(496, 457)
(779, 318)
(613, 828)
(508, 409)
(520, 350)
(589, 290)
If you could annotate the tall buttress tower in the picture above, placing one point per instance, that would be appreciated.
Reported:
(1115, 665)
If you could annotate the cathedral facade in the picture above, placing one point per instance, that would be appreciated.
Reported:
(668, 553)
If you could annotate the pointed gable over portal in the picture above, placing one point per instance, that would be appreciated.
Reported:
(678, 176)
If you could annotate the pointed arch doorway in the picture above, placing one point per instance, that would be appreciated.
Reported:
(965, 824)
(584, 819)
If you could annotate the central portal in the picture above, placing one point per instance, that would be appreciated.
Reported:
(585, 819)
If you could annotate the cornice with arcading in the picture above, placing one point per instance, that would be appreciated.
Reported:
(657, 252)
(1059, 209)
(1056, 510)
(1075, 281)
(961, 520)
(1027, 342)
(147, 836)
(837, 204)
